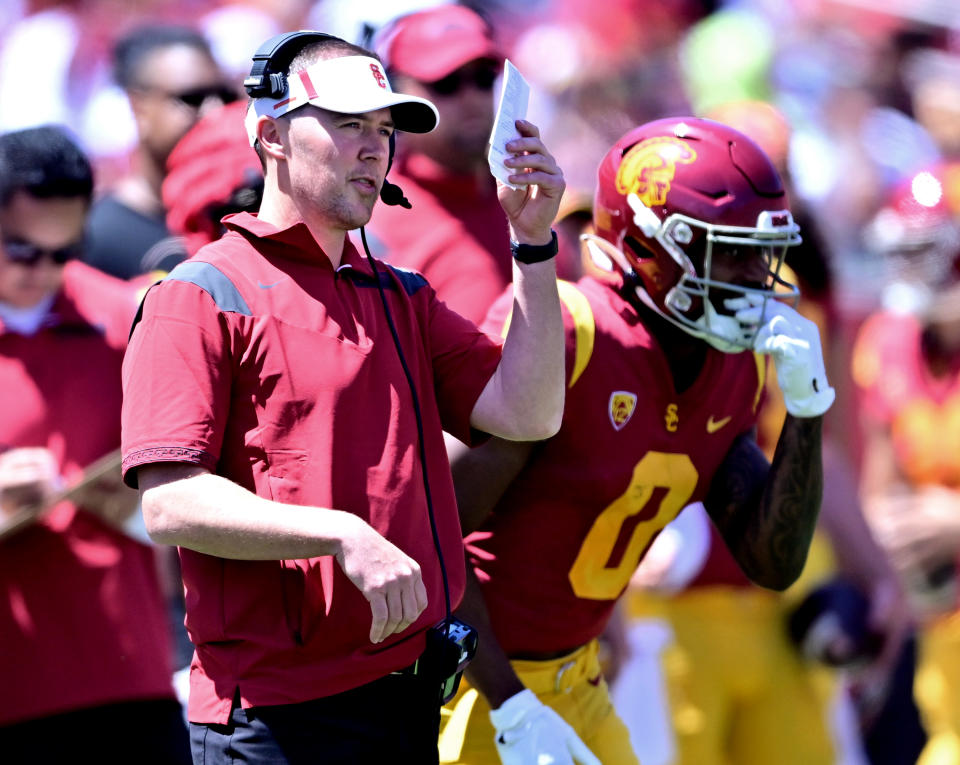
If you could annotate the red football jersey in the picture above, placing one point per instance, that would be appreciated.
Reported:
(563, 542)
(898, 391)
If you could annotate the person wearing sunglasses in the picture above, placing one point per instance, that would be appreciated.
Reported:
(86, 660)
(455, 233)
(172, 80)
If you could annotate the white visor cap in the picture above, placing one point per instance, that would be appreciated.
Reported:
(349, 85)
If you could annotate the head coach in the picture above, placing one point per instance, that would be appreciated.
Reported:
(284, 402)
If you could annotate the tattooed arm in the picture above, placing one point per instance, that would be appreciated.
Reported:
(767, 512)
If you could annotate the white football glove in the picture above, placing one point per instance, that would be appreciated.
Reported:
(528, 732)
(794, 343)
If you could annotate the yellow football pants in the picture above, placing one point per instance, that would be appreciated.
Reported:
(572, 685)
(739, 693)
(937, 690)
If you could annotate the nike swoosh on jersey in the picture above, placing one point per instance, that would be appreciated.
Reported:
(714, 425)
(263, 286)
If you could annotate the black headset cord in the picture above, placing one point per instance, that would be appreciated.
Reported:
(419, 418)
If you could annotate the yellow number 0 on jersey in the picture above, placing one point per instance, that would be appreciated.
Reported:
(590, 575)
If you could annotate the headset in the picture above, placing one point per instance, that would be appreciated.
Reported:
(268, 79)
(451, 644)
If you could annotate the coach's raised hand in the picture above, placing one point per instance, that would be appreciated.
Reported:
(532, 206)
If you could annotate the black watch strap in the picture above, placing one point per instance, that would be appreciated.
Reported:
(534, 253)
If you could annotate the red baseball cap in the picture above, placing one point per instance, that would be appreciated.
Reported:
(429, 45)
(204, 169)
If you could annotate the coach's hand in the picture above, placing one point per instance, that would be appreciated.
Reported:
(532, 207)
(528, 731)
(388, 578)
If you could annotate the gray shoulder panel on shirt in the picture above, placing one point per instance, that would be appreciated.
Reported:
(214, 282)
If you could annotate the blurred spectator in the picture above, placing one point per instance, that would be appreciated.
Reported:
(211, 172)
(456, 233)
(907, 363)
(933, 79)
(85, 667)
(359, 22)
(172, 80)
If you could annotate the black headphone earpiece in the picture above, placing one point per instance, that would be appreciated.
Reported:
(268, 79)
(268, 74)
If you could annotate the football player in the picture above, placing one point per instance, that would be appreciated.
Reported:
(665, 373)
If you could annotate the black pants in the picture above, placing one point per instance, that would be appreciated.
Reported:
(142, 732)
(393, 719)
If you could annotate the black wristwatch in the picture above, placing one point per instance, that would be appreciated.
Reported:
(534, 253)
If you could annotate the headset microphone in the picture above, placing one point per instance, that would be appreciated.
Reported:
(390, 193)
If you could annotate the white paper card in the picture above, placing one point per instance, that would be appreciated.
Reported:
(514, 97)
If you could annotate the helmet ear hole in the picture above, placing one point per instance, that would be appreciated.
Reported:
(638, 251)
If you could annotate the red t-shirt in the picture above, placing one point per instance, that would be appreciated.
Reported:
(258, 361)
(455, 234)
(562, 543)
(82, 618)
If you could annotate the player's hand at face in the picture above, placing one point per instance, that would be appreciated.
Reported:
(532, 207)
(28, 478)
(794, 343)
(388, 578)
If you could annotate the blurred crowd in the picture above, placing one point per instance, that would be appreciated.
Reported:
(857, 103)
(854, 102)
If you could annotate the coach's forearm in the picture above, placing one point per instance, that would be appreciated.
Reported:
(192, 508)
(523, 401)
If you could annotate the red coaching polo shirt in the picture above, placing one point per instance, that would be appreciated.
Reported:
(82, 618)
(259, 361)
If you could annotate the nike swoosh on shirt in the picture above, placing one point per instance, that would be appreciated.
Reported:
(263, 286)
(714, 425)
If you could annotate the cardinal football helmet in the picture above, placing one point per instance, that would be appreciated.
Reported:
(673, 198)
(917, 231)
